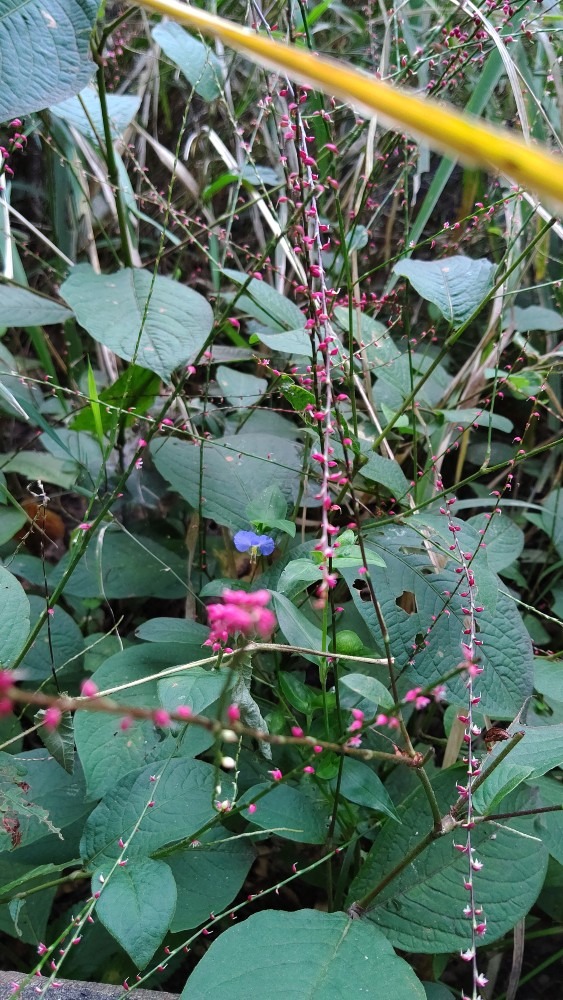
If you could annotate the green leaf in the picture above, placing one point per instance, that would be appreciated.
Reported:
(297, 575)
(235, 469)
(548, 678)
(505, 638)
(23, 820)
(60, 741)
(437, 991)
(504, 780)
(292, 813)
(369, 688)
(198, 688)
(535, 318)
(540, 750)
(483, 418)
(297, 630)
(268, 510)
(59, 635)
(84, 113)
(122, 565)
(306, 955)
(388, 473)
(296, 342)
(14, 617)
(137, 905)
(46, 53)
(552, 518)
(111, 307)
(108, 752)
(133, 393)
(422, 909)
(504, 540)
(296, 395)
(21, 307)
(551, 824)
(40, 465)
(25, 919)
(266, 305)
(360, 784)
(195, 59)
(297, 693)
(240, 388)
(173, 630)
(209, 874)
(456, 285)
(374, 337)
(183, 794)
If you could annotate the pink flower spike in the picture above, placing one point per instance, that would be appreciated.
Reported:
(53, 716)
(88, 689)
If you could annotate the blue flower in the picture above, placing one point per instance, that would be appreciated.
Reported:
(249, 541)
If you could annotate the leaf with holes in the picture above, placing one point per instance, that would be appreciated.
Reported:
(424, 613)
(154, 321)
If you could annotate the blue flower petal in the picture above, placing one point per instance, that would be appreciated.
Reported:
(245, 540)
(266, 545)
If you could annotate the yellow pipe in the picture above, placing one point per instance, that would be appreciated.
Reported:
(494, 149)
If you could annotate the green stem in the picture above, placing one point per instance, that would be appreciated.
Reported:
(361, 905)
(112, 167)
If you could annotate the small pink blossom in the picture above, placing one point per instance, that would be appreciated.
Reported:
(233, 713)
(53, 716)
(88, 688)
(308, 769)
(85, 526)
(276, 774)
(252, 808)
(161, 717)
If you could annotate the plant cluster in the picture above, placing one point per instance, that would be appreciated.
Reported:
(281, 513)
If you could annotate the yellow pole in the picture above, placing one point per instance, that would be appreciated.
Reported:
(495, 149)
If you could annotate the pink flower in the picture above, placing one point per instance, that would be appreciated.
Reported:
(276, 774)
(252, 808)
(85, 526)
(233, 713)
(6, 679)
(53, 716)
(161, 717)
(308, 769)
(88, 689)
(240, 612)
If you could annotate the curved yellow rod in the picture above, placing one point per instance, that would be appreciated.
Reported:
(494, 149)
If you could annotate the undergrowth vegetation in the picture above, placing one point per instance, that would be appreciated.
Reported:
(281, 517)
